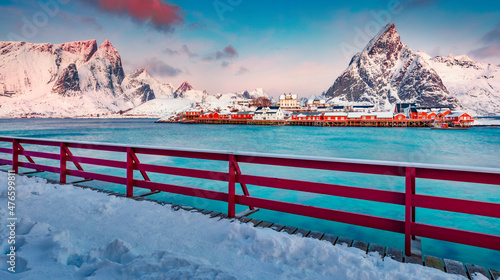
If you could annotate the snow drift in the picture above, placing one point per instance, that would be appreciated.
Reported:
(73, 233)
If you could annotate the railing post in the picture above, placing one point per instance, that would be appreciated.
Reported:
(231, 212)
(130, 172)
(15, 156)
(409, 213)
(413, 212)
(62, 163)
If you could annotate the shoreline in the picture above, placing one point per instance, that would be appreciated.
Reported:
(286, 123)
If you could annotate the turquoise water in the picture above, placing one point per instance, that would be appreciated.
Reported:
(474, 147)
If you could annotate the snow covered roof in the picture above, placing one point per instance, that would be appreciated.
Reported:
(288, 96)
(384, 115)
(363, 106)
(317, 100)
(314, 114)
(243, 113)
(335, 114)
(354, 115)
(379, 115)
(267, 110)
(455, 114)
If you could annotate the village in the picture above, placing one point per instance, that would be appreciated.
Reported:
(318, 112)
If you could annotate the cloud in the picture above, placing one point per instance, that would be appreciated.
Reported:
(486, 52)
(158, 67)
(493, 36)
(78, 20)
(156, 13)
(171, 52)
(242, 70)
(183, 50)
(228, 52)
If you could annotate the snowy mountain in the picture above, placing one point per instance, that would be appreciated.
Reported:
(233, 97)
(387, 71)
(182, 89)
(195, 99)
(185, 90)
(80, 78)
(476, 85)
(76, 78)
(141, 87)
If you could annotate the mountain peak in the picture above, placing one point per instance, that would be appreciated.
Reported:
(85, 48)
(386, 37)
(108, 51)
(142, 72)
(107, 46)
(185, 86)
(106, 43)
(387, 71)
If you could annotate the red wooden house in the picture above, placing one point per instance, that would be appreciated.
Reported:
(193, 114)
(421, 114)
(335, 116)
(431, 115)
(458, 117)
(443, 113)
(399, 117)
(223, 116)
(298, 116)
(314, 116)
(242, 116)
(205, 116)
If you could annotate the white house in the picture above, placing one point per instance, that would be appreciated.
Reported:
(269, 113)
(288, 101)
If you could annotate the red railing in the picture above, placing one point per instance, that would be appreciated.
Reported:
(409, 227)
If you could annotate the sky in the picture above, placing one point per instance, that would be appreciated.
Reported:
(234, 45)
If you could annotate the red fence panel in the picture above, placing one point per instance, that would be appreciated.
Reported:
(409, 198)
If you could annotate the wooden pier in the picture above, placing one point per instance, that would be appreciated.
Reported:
(66, 163)
(329, 123)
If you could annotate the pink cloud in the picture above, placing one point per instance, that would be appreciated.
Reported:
(157, 13)
(486, 52)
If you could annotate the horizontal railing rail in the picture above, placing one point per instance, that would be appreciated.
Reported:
(409, 198)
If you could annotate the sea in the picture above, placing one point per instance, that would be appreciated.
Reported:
(475, 147)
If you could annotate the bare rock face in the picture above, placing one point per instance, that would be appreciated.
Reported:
(388, 71)
(68, 82)
(146, 93)
(103, 71)
(183, 88)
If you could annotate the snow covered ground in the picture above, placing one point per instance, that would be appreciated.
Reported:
(487, 121)
(65, 232)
